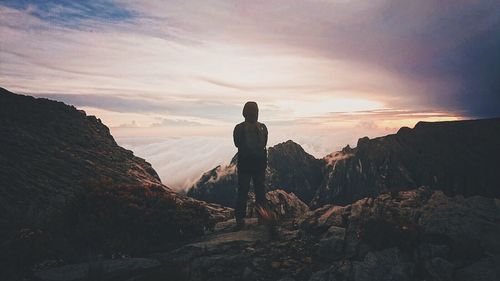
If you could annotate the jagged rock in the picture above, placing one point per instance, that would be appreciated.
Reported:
(407, 228)
(461, 223)
(294, 170)
(384, 238)
(458, 157)
(289, 168)
(321, 219)
(403, 161)
(218, 185)
(285, 205)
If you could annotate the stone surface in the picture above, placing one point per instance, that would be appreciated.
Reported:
(102, 270)
(332, 245)
(390, 237)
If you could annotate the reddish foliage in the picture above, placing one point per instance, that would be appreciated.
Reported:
(109, 218)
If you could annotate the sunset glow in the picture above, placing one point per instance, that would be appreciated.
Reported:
(324, 73)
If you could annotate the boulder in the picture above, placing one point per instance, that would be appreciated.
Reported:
(332, 245)
(383, 265)
(286, 205)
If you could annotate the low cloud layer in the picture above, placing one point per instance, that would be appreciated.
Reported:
(182, 161)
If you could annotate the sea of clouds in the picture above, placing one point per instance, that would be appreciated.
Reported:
(181, 161)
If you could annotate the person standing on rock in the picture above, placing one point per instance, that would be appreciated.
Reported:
(250, 137)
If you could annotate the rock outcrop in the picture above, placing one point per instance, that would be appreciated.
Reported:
(458, 157)
(410, 235)
(289, 168)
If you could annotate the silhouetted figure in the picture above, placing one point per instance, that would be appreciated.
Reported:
(250, 137)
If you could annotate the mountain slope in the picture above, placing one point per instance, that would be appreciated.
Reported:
(458, 157)
(68, 192)
(48, 151)
(289, 168)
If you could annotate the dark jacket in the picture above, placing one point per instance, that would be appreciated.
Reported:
(249, 159)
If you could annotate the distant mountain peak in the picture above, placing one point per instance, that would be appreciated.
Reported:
(288, 145)
(424, 155)
(289, 168)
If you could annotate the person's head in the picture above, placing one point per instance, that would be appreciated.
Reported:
(251, 111)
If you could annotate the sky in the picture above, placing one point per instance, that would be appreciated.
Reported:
(170, 78)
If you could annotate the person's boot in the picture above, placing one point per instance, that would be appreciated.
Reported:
(240, 224)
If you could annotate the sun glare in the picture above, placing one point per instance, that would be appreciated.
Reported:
(330, 105)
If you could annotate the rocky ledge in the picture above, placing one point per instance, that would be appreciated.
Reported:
(412, 235)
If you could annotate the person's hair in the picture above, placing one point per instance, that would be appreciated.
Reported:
(251, 111)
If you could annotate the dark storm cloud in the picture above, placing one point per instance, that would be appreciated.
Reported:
(449, 48)
(476, 66)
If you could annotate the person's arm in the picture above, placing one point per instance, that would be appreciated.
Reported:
(237, 136)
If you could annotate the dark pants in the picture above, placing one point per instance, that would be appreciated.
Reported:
(244, 177)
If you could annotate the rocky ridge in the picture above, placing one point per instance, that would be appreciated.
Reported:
(458, 157)
(409, 235)
(289, 168)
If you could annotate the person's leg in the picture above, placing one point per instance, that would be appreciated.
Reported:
(242, 197)
(259, 178)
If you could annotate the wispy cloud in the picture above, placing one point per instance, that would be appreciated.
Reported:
(323, 72)
(73, 14)
(166, 122)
